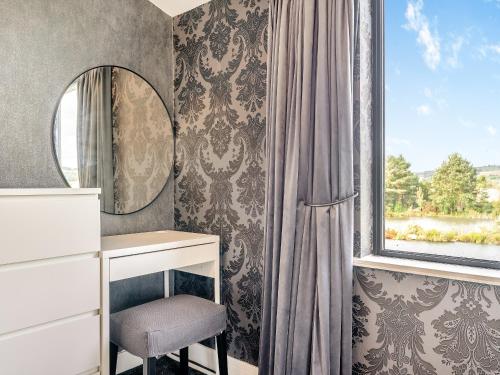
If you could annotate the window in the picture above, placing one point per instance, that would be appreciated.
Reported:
(437, 114)
(66, 146)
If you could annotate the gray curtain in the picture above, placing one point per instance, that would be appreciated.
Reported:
(94, 134)
(307, 313)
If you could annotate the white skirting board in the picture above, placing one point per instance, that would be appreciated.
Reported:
(201, 358)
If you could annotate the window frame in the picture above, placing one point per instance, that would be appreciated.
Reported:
(378, 118)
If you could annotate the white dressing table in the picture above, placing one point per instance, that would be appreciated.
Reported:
(132, 255)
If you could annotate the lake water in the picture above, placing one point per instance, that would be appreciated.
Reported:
(455, 249)
(459, 224)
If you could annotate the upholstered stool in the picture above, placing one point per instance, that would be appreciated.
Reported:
(166, 325)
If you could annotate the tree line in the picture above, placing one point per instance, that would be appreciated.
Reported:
(455, 188)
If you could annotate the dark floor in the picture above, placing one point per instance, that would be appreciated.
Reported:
(164, 366)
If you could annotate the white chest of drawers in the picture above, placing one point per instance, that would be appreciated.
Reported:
(49, 281)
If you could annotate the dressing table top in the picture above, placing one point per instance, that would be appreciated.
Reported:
(136, 243)
(53, 191)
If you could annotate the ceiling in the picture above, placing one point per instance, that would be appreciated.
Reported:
(176, 7)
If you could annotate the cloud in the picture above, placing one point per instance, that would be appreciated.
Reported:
(491, 130)
(455, 49)
(417, 21)
(490, 50)
(424, 110)
(496, 2)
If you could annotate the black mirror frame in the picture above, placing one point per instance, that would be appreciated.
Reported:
(52, 127)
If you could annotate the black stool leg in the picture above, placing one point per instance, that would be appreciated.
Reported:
(222, 353)
(149, 366)
(113, 357)
(184, 366)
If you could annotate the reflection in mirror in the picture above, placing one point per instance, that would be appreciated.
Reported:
(112, 131)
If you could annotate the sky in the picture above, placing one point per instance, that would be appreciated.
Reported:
(442, 81)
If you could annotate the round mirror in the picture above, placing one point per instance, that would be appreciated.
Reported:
(112, 131)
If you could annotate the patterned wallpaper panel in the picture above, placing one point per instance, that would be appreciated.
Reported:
(220, 95)
(408, 324)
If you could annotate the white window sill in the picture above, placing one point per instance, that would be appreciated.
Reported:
(434, 269)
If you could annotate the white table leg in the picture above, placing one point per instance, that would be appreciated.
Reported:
(104, 316)
(166, 283)
(216, 276)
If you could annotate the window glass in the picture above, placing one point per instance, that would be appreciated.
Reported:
(442, 127)
(67, 139)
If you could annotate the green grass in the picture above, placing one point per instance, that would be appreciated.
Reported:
(418, 213)
(417, 233)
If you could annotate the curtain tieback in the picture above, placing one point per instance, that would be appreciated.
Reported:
(335, 203)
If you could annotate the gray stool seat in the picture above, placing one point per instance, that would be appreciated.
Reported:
(166, 325)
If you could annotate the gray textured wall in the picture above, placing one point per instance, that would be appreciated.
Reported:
(44, 45)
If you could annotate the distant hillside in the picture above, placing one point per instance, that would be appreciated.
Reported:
(488, 170)
(426, 175)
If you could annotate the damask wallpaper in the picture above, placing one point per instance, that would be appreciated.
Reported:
(143, 146)
(220, 96)
(408, 324)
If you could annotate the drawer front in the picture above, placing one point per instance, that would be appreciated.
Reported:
(68, 348)
(41, 227)
(37, 294)
(142, 264)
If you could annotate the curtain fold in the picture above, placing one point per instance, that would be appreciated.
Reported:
(307, 312)
(94, 134)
